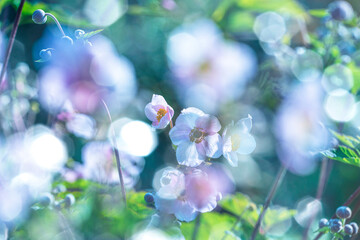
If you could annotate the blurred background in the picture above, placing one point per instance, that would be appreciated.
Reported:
(155, 55)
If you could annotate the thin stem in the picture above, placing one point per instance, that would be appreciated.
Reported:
(57, 22)
(272, 192)
(196, 227)
(11, 44)
(116, 153)
(319, 193)
(352, 197)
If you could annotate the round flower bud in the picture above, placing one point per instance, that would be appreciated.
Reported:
(46, 199)
(348, 229)
(323, 223)
(343, 212)
(67, 41)
(341, 10)
(149, 198)
(57, 205)
(39, 17)
(335, 228)
(45, 54)
(355, 228)
(59, 189)
(69, 200)
(79, 33)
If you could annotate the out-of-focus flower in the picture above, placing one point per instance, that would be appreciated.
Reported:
(196, 136)
(84, 75)
(196, 190)
(299, 130)
(238, 140)
(159, 112)
(28, 161)
(199, 56)
(99, 164)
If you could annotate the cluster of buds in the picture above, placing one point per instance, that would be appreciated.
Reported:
(40, 17)
(49, 199)
(338, 226)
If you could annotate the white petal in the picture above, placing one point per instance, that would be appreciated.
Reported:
(187, 154)
(245, 124)
(158, 100)
(212, 145)
(232, 158)
(247, 144)
(188, 117)
(179, 134)
(209, 123)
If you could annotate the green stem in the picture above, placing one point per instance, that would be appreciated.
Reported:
(10, 44)
(272, 192)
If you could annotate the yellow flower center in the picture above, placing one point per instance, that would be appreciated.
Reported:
(235, 141)
(160, 113)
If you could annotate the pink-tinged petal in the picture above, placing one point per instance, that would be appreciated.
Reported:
(164, 121)
(211, 204)
(150, 112)
(179, 134)
(187, 154)
(245, 124)
(247, 144)
(209, 123)
(188, 117)
(158, 100)
(170, 111)
(212, 146)
(232, 158)
(184, 211)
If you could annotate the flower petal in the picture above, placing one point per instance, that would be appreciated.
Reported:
(247, 144)
(232, 158)
(184, 211)
(179, 134)
(188, 117)
(212, 146)
(187, 154)
(245, 124)
(151, 112)
(158, 100)
(209, 123)
(164, 121)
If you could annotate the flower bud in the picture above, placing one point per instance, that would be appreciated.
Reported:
(79, 33)
(323, 223)
(57, 205)
(67, 41)
(45, 54)
(348, 229)
(335, 228)
(343, 212)
(355, 228)
(39, 17)
(149, 198)
(46, 199)
(341, 10)
(69, 200)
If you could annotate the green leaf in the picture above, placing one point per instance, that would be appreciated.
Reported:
(212, 226)
(236, 204)
(320, 13)
(275, 216)
(90, 34)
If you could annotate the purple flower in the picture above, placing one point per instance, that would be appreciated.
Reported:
(238, 140)
(195, 135)
(159, 112)
(185, 195)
